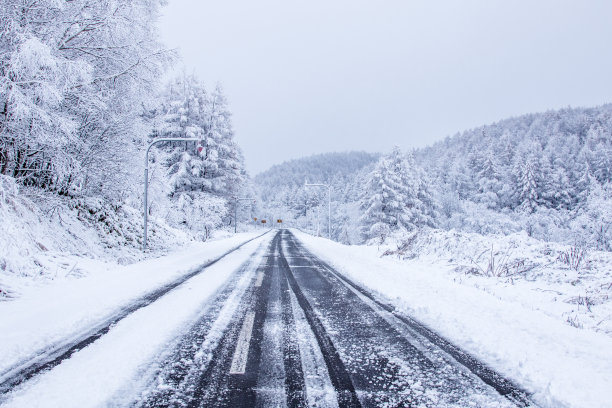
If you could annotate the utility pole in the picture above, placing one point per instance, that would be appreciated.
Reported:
(307, 184)
(236, 201)
(146, 176)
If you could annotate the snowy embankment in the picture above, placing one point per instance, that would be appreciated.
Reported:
(522, 315)
(46, 237)
(64, 308)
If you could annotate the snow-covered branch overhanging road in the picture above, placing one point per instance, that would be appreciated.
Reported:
(268, 324)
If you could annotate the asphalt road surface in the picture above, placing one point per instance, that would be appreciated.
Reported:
(302, 335)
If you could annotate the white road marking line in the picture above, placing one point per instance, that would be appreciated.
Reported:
(260, 277)
(241, 354)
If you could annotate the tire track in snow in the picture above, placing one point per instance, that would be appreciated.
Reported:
(338, 374)
(294, 375)
(58, 352)
(178, 371)
(216, 384)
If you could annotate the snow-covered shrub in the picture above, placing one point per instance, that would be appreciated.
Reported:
(498, 264)
(573, 257)
(476, 217)
(8, 190)
(379, 232)
(547, 224)
(200, 212)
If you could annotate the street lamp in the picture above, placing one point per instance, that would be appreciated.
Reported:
(146, 176)
(307, 184)
(236, 201)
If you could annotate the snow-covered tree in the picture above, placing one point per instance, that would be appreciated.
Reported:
(488, 181)
(527, 183)
(182, 116)
(207, 174)
(557, 190)
(72, 76)
(223, 160)
(395, 197)
(593, 223)
(426, 208)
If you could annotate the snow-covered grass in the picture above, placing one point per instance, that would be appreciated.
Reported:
(514, 302)
(571, 283)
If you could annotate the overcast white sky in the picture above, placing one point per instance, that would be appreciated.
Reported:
(315, 76)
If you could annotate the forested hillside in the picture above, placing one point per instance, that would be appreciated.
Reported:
(548, 174)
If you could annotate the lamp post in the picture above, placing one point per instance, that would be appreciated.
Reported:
(307, 184)
(146, 176)
(236, 201)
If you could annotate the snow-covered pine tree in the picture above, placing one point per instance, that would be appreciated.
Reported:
(598, 152)
(489, 185)
(182, 113)
(426, 209)
(223, 160)
(395, 197)
(527, 183)
(379, 202)
(593, 222)
(203, 183)
(556, 190)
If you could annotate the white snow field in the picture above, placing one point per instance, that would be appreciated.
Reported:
(518, 327)
(65, 308)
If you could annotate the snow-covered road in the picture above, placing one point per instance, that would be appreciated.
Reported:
(301, 336)
(54, 322)
(268, 324)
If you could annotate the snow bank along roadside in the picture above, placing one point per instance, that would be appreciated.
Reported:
(570, 283)
(564, 366)
(65, 308)
(46, 237)
(112, 369)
